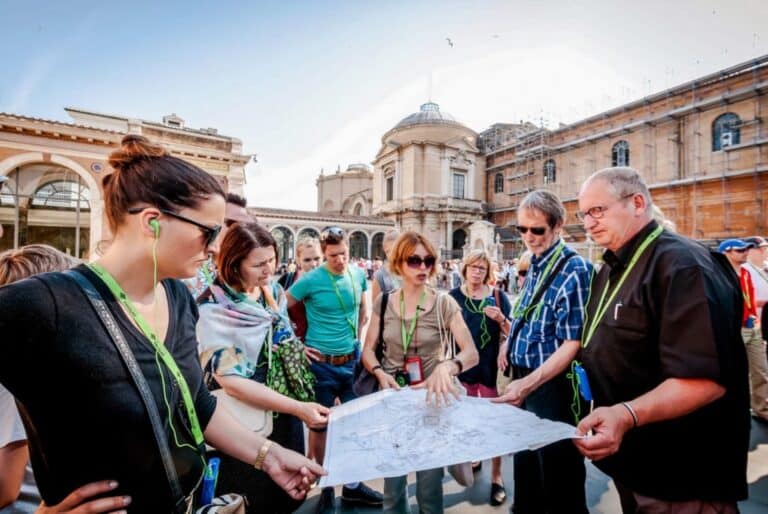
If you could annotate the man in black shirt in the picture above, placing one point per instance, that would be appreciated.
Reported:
(662, 350)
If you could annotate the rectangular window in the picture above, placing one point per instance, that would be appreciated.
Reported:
(390, 188)
(458, 185)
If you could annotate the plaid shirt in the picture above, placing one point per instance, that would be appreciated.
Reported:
(561, 316)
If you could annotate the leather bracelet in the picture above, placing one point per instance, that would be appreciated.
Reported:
(459, 364)
(632, 412)
(259, 462)
(373, 369)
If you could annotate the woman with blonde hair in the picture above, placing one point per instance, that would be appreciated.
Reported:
(413, 352)
(485, 310)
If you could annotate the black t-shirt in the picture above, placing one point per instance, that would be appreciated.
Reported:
(84, 417)
(486, 370)
(677, 315)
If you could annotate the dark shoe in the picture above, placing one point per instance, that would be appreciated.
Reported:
(477, 466)
(327, 503)
(362, 494)
(498, 494)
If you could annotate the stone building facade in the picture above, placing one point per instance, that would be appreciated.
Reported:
(429, 176)
(54, 169)
(702, 147)
(365, 233)
(346, 192)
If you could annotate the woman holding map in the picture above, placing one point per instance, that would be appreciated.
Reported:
(417, 320)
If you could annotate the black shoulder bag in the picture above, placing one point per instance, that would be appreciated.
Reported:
(365, 382)
(100, 306)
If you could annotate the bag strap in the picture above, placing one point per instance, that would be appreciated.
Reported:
(539, 293)
(381, 346)
(100, 306)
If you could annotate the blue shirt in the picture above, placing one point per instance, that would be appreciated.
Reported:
(329, 327)
(561, 316)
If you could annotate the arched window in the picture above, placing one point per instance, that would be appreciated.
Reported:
(62, 194)
(358, 211)
(377, 245)
(498, 183)
(358, 245)
(284, 239)
(620, 154)
(726, 131)
(308, 232)
(550, 172)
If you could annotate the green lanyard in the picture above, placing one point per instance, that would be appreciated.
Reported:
(485, 335)
(602, 305)
(159, 347)
(407, 337)
(519, 313)
(353, 320)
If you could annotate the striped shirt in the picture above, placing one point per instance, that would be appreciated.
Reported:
(561, 315)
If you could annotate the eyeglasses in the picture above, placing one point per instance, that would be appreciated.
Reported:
(210, 233)
(481, 269)
(522, 272)
(415, 261)
(332, 235)
(536, 231)
(598, 211)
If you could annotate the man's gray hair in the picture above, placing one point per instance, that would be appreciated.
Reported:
(548, 203)
(623, 181)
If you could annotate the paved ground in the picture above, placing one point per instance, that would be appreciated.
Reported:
(601, 494)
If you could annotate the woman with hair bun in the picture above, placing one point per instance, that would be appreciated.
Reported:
(84, 416)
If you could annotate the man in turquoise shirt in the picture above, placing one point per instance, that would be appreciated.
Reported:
(336, 305)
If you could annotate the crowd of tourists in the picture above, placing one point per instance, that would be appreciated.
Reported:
(184, 351)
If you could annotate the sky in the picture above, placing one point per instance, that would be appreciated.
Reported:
(314, 85)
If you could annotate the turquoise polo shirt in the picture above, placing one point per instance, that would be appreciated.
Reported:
(328, 323)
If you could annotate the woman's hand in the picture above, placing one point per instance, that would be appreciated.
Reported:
(441, 384)
(502, 360)
(293, 472)
(313, 414)
(494, 313)
(77, 501)
(386, 381)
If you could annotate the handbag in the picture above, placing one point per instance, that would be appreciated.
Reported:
(254, 419)
(364, 382)
(289, 373)
(461, 472)
(251, 417)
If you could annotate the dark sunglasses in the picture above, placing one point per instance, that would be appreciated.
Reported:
(415, 261)
(536, 231)
(522, 272)
(210, 233)
(332, 235)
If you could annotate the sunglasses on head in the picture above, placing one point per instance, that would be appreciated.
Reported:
(210, 233)
(536, 231)
(415, 261)
(332, 235)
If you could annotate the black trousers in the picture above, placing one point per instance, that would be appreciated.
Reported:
(550, 480)
(263, 495)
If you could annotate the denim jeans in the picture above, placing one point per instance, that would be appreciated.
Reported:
(429, 493)
(334, 381)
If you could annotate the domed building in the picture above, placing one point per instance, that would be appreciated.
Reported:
(429, 176)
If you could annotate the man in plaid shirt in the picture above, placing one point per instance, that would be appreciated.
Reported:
(544, 339)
